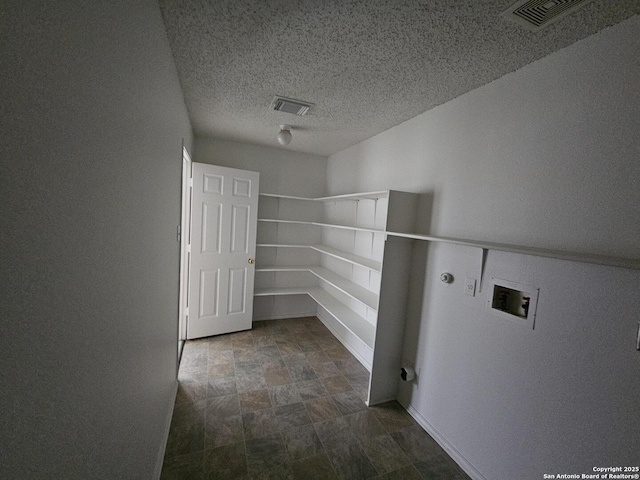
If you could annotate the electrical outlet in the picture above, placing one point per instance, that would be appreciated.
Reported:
(470, 287)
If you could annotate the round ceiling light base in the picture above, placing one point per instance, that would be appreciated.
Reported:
(284, 136)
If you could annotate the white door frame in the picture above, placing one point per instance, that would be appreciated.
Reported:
(184, 233)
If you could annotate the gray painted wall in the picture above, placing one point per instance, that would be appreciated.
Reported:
(546, 156)
(93, 119)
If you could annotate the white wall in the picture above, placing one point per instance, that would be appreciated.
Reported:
(93, 120)
(283, 172)
(546, 156)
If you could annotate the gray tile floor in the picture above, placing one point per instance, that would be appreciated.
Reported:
(285, 400)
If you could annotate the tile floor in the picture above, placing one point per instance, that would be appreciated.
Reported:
(285, 400)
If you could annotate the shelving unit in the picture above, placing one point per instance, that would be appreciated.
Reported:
(335, 249)
(351, 254)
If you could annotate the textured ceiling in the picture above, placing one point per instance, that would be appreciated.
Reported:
(367, 65)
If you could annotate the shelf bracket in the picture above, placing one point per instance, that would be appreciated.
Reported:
(483, 264)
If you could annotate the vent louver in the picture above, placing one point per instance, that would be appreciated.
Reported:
(288, 105)
(536, 14)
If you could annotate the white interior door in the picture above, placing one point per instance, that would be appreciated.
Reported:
(224, 217)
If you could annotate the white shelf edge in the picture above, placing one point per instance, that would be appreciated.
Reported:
(320, 224)
(347, 196)
(332, 252)
(611, 261)
(267, 292)
(353, 322)
(348, 227)
(347, 287)
(287, 197)
(283, 268)
(284, 245)
(349, 257)
(276, 220)
(622, 262)
(607, 260)
(355, 196)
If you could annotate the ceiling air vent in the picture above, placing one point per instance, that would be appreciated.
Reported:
(288, 105)
(536, 14)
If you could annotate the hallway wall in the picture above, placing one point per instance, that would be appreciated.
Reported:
(93, 121)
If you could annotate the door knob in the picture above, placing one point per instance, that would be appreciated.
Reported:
(251, 261)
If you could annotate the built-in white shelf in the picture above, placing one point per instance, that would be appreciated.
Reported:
(353, 322)
(266, 292)
(284, 268)
(332, 252)
(374, 265)
(351, 289)
(287, 197)
(283, 245)
(349, 227)
(364, 308)
(623, 262)
(355, 196)
(332, 198)
(277, 220)
(320, 224)
(609, 260)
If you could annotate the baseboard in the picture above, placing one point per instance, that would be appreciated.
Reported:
(381, 401)
(165, 434)
(450, 449)
(259, 318)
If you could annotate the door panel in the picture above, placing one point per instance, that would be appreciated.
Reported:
(209, 293)
(213, 184)
(239, 229)
(241, 187)
(224, 213)
(211, 228)
(237, 287)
